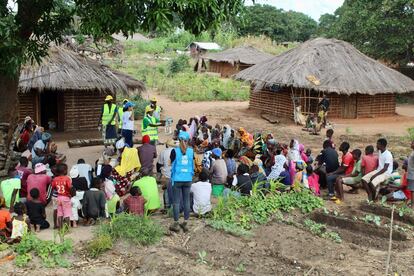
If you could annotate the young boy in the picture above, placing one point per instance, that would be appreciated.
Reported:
(93, 204)
(410, 174)
(369, 161)
(399, 191)
(201, 192)
(9, 185)
(36, 211)
(353, 179)
(374, 179)
(135, 203)
(76, 206)
(62, 184)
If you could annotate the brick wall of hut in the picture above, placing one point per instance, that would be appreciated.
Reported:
(341, 106)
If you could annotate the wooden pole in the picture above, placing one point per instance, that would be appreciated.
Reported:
(390, 242)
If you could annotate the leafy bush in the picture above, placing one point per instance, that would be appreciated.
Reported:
(50, 252)
(411, 133)
(178, 64)
(140, 104)
(99, 244)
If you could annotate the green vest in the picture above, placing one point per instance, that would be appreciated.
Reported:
(152, 132)
(120, 114)
(108, 114)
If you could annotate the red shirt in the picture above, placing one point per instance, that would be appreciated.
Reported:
(135, 205)
(4, 218)
(24, 173)
(41, 182)
(25, 137)
(369, 162)
(62, 185)
(348, 161)
(404, 184)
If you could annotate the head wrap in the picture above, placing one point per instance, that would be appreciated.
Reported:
(146, 139)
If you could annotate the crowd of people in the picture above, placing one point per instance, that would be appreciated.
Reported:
(198, 162)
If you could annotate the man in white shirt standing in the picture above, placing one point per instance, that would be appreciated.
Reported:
(374, 179)
(201, 192)
(128, 124)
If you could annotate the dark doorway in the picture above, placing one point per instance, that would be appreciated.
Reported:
(49, 111)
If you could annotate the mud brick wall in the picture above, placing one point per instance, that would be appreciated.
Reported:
(376, 106)
(27, 106)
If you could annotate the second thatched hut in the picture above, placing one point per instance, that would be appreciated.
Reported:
(356, 85)
(234, 60)
(69, 89)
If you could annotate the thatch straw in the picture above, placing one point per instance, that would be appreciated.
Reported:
(245, 55)
(64, 70)
(327, 65)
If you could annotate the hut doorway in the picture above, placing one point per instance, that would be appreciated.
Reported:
(349, 107)
(51, 111)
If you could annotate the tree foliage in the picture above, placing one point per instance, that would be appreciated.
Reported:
(382, 29)
(26, 34)
(276, 23)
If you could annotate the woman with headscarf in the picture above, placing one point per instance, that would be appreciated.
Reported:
(246, 142)
(302, 152)
(37, 135)
(293, 157)
(226, 137)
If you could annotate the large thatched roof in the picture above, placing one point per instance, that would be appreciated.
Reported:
(64, 70)
(327, 65)
(245, 54)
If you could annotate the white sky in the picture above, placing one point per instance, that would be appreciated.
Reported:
(313, 8)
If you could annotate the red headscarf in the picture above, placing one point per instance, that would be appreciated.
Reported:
(146, 139)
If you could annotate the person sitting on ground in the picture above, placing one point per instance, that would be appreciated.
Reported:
(40, 150)
(5, 219)
(23, 172)
(76, 206)
(242, 182)
(410, 174)
(303, 155)
(218, 172)
(230, 164)
(147, 153)
(353, 179)
(329, 137)
(346, 168)
(80, 183)
(327, 162)
(20, 222)
(36, 211)
(62, 184)
(93, 204)
(149, 188)
(24, 138)
(258, 178)
(395, 177)
(309, 156)
(9, 185)
(313, 180)
(369, 161)
(400, 192)
(374, 179)
(85, 170)
(135, 202)
(112, 198)
(280, 168)
(201, 194)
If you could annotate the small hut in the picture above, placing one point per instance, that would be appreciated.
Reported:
(69, 90)
(356, 85)
(200, 48)
(234, 60)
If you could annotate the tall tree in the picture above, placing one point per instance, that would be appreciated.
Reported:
(27, 31)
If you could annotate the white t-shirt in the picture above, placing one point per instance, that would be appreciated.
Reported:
(385, 158)
(126, 122)
(38, 145)
(84, 170)
(202, 197)
(164, 160)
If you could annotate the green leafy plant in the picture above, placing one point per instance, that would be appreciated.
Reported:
(99, 244)
(372, 218)
(241, 268)
(321, 231)
(178, 64)
(202, 257)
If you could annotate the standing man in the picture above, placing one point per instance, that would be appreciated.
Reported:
(150, 125)
(323, 109)
(157, 109)
(120, 114)
(108, 122)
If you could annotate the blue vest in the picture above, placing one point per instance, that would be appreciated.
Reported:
(183, 166)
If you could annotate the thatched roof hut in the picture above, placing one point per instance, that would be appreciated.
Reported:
(68, 89)
(234, 60)
(357, 85)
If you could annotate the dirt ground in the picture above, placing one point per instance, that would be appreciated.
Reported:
(274, 249)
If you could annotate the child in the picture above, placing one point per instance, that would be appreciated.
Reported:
(20, 223)
(201, 194)
(62, 184)
(329, 137)
(313, 180)
(9, 185)
(5, 219)
(112, 198)
(309, 155)
(369, 161)
(135, 203)
(76, 205)
(395, 178)
(401, 192)
(36, 211)
(353, 180)
(93, 204)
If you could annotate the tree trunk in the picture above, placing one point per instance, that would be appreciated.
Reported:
(8, 118)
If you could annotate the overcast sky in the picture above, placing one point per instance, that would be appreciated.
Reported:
(313, 8)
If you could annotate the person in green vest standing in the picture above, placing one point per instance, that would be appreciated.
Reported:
(108, 121)
(157, 109)
(150, 125)
(120, 114)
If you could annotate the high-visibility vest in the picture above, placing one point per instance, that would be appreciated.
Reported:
(108, 114)
(152, 132)
(156, 113)
(120, 114)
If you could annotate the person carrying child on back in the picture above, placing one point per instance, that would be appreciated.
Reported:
(36, 211)
(374, 179)
(353, 180)
(62, 184)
